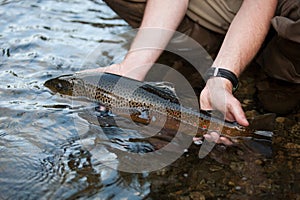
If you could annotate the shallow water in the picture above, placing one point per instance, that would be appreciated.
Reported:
(41, 152)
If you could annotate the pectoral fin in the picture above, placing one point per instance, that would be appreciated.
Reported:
(140, 116)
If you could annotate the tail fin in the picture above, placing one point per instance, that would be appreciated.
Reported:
(265, 122)
(266, 134)
(262, 147)
(262, 136)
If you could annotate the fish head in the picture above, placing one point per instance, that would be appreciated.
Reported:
(62, 85)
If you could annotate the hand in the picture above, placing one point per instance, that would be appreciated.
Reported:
(118, 69)
(114, 69)
(217, 94)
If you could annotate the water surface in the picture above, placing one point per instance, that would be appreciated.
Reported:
(41, 154)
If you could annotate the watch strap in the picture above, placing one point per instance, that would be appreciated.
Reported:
(224, 73)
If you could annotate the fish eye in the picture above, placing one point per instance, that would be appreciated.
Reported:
(59, 85)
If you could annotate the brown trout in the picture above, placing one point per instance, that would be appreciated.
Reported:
(118, 93)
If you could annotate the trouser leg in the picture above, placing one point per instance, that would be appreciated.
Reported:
(280, 60)
(131, 11)
(280, 57)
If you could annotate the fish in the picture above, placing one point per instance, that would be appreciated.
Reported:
(147, 104)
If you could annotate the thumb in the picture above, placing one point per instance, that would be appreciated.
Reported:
(236, 112)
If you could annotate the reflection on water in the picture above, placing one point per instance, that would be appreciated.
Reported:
(41, 154)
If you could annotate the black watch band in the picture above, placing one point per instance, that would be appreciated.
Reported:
(224, 73)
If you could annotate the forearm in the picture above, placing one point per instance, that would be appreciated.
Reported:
(242, 41)
(161, 18)
(245, 35)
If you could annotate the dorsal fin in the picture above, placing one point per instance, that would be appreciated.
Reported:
(163, 92)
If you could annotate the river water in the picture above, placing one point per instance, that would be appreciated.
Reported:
(41, 154)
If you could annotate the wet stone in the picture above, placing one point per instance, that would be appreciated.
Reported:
(230, 183)
(292, 146)
(184, 198)
(236, 166)
(251, 113)
(296, 129)
(215, 168)
(197, 196)
(280, 119)
(258, 162)
(238, 188)
(284, 122)
(248, 101)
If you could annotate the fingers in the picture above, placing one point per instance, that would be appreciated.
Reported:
(230, 117)
(225, 141)
(119, 69)
(212, 137)
(215, 137)
(236, 113)
(114, 69)
(217, 96)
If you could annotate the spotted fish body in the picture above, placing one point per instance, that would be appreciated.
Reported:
(119, 93)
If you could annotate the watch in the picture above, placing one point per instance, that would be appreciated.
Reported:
(224, 73)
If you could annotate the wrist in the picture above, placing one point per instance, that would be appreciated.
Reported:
(134, 70)
(228, 77)
(219, 82)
